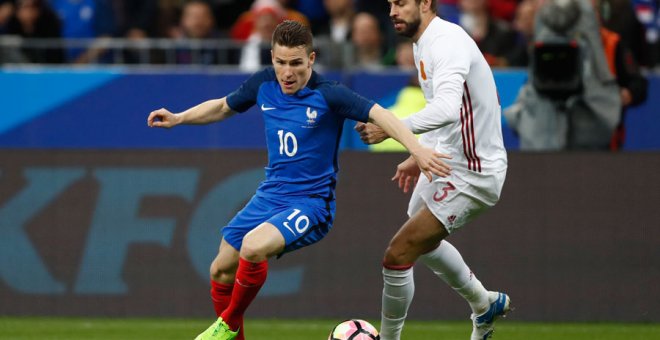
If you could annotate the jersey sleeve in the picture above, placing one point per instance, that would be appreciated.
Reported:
(246, 95)
(450, 69)
(345, 102)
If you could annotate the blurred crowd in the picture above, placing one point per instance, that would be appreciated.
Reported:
(355, 33)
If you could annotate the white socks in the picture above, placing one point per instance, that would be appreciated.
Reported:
(398, 291)
(399, 287)
(446, 262)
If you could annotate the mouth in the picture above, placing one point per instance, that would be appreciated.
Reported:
(288, 84)
(399, 25)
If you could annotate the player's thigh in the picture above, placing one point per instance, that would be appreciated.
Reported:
(262, 242)
(419, 235)
(223, 267)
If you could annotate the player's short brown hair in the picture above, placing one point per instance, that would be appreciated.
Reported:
(291, 33)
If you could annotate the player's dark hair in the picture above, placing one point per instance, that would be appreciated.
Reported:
(291, 33)
(433, 4)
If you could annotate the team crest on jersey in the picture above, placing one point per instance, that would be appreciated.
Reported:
(311, 117)
(421, 69)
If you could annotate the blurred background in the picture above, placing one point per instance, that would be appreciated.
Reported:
(102, 216)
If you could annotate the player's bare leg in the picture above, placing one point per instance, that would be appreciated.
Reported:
(248, 270)
(420, 234)
(223, 272)
(423, 237)
(258, 245)
(223, 267)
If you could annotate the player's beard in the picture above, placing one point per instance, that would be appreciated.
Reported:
(411, 27)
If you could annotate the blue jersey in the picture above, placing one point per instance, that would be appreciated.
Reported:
(302, 131)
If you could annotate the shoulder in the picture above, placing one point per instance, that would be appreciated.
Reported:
(447, 42)
(329, 89)
(267, 74)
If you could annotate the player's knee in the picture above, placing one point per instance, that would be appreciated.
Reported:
(396, 257)
(401, 251)
(220, 274)
(252, 250)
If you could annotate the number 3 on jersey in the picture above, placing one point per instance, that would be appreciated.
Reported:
(288, 143)
(301, 224)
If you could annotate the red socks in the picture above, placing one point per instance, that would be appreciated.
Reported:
(220, 295)
(249, 279)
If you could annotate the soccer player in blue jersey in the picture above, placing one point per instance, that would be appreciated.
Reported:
(295, 205)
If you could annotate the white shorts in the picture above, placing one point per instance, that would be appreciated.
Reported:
(453, 201)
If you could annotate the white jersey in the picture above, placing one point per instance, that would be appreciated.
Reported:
(462, 116)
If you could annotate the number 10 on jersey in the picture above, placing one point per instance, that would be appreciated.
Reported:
(288, 143)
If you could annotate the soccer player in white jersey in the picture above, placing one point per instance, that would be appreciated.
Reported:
(461, 119)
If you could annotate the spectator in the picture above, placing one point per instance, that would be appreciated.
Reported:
(335, 34)
(648, 13)
(367, 39)
(494, 37)
(338, 26)
(405, 58)
(244, 26)
(381, 10)
(6, 12)
(136, 21)
(35, 19)
(572, 100)
(85, 19)
(267, 15)
(197, 24)
(619, 16)
(523, 25)
(632, 84)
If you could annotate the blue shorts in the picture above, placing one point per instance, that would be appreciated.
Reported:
(302, 221)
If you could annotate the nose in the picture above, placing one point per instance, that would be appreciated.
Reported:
(393, 12)
(287, 71)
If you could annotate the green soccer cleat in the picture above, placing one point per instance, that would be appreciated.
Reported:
(219, 330)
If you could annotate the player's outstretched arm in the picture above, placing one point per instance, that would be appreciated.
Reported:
(207, 112)
(429, 161)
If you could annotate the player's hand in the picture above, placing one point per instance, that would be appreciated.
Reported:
(163, 118)
(370, 133)
(407, 173)
(430, 163)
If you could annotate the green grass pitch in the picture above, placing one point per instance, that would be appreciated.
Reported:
(158, 329)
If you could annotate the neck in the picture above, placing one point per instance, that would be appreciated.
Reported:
(426, 21)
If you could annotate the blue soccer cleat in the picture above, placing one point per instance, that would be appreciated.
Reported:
(483, 325)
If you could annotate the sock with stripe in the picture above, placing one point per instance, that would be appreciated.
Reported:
(398, 291)
(448, 264)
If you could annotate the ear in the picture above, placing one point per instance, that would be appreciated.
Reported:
(312, 58)
(426, 5)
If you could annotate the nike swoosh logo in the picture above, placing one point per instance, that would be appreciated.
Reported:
(265, 108)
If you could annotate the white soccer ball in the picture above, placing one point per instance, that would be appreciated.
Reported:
(354, 329)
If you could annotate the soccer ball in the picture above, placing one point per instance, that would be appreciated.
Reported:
(354, 329)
